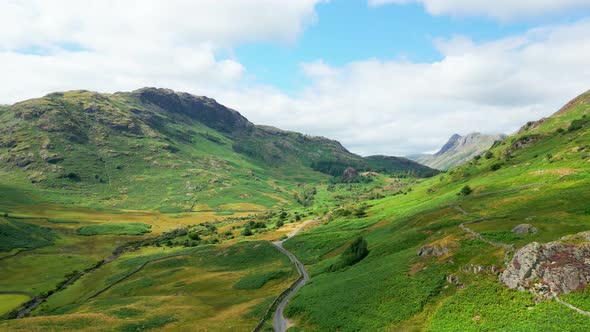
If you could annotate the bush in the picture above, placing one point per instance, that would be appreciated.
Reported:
(361, 211)
(495, 167)
(355, 253)
(71, 176)
(577, 124)
(466, 191)
(489, 155)
(247, 231)
(280, 223)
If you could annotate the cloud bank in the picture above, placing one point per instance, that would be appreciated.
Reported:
(499, 9)
(393, 107)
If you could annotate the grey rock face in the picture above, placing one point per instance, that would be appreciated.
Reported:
(562, 267)
(458, 150)
(523, 229)
(433, 251)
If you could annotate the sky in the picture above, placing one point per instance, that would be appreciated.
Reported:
(393, 77)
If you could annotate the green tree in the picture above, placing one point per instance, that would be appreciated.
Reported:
(356, 252)
(466, 191)
(247, 231)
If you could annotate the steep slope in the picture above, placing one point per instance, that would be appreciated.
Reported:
(458, 150)
(436, 253)
(156, 149)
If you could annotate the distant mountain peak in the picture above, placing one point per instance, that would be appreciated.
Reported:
(449, 145)
(458, 150)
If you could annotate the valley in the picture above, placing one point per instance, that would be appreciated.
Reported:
(159, 210)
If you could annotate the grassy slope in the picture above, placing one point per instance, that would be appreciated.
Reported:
(155, 149)
(394, 288)
(194, 290)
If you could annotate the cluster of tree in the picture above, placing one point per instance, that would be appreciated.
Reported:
(247, 231)
(306, 196)
(358, 212)
(334, 168)
(356, 252)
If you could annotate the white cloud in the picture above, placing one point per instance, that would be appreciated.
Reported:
(392, 107)
(500, 9)
(110, 45)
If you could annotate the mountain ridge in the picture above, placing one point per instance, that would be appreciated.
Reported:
(117, 146)
(458, 150)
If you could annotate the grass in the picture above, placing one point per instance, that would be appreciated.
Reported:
(15, 234)
(9, 302)
(258, 280)
(115, 229)
(196, 289)
(491, 307)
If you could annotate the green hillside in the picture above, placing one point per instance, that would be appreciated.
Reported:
(388, 249)
(159, 149)
(539, 176)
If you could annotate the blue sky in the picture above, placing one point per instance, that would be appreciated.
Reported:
(351, 30)
(392, 77)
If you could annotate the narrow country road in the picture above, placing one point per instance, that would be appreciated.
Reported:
(280, 323)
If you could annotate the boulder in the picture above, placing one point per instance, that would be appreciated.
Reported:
(524, 229)
(560, 266)
(349, 174)
(437, 250)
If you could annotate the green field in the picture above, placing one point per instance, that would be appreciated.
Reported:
(115, 229)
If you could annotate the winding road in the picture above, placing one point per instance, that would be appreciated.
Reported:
(279, 322)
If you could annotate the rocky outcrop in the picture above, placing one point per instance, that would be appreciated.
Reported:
(202, 109)
(558, 267)
(524, 229)
(349, 174)
(437, 250)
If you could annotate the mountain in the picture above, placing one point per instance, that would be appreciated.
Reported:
(160, 149)
(458, 150)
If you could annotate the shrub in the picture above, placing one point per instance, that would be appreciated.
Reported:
(495, 167)
(280, 223)
(489, 155)
(577, 124)
(247, 231)
(361, 211)
(356, 252)
(465, 191)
